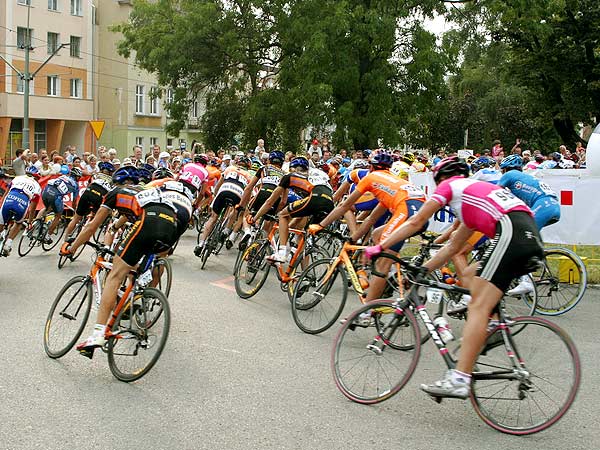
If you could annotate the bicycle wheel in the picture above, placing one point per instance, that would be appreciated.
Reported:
(68, 316)
(310, 256)
(253, 269)
(163, 270)
(211, 243)
(101, 231)
(365, 368)
(318, 299)
(561, 282)
(522, 304)
(57, 236)
(29, 238)
(140, 334)
(536, 394)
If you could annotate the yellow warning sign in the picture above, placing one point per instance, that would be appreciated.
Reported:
(97, 127)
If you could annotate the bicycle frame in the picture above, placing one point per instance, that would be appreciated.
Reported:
(286, 275)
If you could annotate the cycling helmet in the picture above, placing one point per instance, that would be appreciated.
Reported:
(556, 156)
(32, 171)
(215, 162)
(125, 173)
(64, 169)
(160, 173)
(539, 158)
(276, 157)
(450, 166)
(361, 164)
(481, 163)
(299, 161)
(106, 166)
(347, 161)
(144, 175)
(256, 164)
(244, 162)
(512, 162)
(76, 173)
(381, 159)
(409, 158)
(201, 159)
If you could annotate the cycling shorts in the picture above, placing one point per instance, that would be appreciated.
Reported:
(546, 211)
(260, 199)
(154, 232)
(517, 240)
(53, 200)
(316, 205)
(223, 200)
(90, 200)
(15, 204)
(400, 215)
(366, 205)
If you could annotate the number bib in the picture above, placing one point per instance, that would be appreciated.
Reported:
(547, 190)
(505, 199)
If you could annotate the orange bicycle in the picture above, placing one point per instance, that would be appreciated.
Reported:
(252, 269)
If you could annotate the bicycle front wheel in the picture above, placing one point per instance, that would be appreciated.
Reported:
(529, 387)
(29, 239)
(252, 270)
(68, 316)
(139, 335)
(366, 368)
(319, 299)
(561, 282)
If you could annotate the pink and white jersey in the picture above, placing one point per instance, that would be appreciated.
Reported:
(477, 204)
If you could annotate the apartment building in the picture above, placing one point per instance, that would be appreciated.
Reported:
(62, 94)
(133, 114)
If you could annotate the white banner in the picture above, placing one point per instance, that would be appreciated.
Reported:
(577, 191)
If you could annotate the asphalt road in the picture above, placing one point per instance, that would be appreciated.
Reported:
(236, 374)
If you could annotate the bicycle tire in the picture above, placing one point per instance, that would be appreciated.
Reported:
(28, 239)
(316, 311)
(56, 237)
(558, 369)
(253, 267)
(77, 309)
(211, 243)
(167, 267)
(356, 345)
(556, 296)
(523, 304)
(311, 255)
(135, 325)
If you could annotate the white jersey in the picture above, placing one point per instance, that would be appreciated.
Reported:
(28, 185)
(102, 180)
(318, 178)
(489, 175)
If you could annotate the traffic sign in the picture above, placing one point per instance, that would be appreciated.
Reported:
(97, 127)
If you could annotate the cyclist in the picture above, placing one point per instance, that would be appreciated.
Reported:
(516, 242)
(312, 185)
(484, 169)
(400, 197)
(19, 202)
(230, 190)
(541, 199)
(91, 199)
(53, 197)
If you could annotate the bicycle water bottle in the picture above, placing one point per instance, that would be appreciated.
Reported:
(363, 278)
(443, 329)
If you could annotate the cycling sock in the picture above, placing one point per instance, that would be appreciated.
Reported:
(99, 330)
(461, 377)
(9, 242)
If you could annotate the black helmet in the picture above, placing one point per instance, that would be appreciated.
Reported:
(453, 165)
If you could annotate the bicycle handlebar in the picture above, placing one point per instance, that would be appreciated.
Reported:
(101, 248)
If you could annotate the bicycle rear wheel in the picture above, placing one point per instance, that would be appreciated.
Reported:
(253, 269)
(140, 334)
(68, 316)
(310, 256)
(163, 270)
(522, 304)
(365, 367)
(29, 238)
(561, 282)
(318, 300)
(57, 236)
(534, 395)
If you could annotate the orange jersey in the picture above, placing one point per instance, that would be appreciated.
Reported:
(213, 175)
(391, 190)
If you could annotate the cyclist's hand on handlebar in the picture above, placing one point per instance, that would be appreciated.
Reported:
(314, 228)
(373, 251)
(65, 249)
(250, 219)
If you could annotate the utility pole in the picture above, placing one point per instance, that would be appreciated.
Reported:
(27, 76)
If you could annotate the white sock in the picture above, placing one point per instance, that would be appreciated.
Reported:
(461, 377)
(9, 243)
(200, 243)
(99, 330)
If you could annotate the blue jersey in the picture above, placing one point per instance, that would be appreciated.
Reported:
(526, 187)
(64, 185)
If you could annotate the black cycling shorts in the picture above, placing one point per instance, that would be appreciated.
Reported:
(223, 200)
(90, 200)
(260, 199)
(154, 232)
(517, 240)
(316, 205)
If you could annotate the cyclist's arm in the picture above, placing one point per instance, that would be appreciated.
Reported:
(339, 194)
(270, 202)
(248, 192)
(90, 228)
(446, 234)
(413, 225)
(341, 209)
(369, 222)
(454, 245)
(218, 185)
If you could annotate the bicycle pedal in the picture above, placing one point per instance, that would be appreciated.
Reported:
(88, 353)
(436, 399)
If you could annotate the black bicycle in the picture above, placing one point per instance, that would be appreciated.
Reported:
(525, 379)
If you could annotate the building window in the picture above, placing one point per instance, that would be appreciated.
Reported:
(75, 46)
(53, 5)
(76, 8)
(52, 85)
(39, 135)
(21, 86)
(76, 88)
(24, 2)
(153, 97)
(24, 37)
(195, 109)
(153, 141)
(170, 142)
(169, 96)
(139, 140)
(139, 99)
(53, 39)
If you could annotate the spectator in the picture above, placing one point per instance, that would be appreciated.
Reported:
(496, 149)
(20, 162)
(226, 161)
(138, 152)
(516, 150)
(163, 159)
(151, 160)
(92, 166)
(117, 163)
(176, 164)
(441, 154)
(325, 147)
(127, 162)
(45, 169)
(314, 159)
(35, 161)
(260, 147)
(314, 147)
(57, 161)
(156, 152)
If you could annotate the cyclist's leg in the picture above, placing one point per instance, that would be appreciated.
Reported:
(58, 209)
